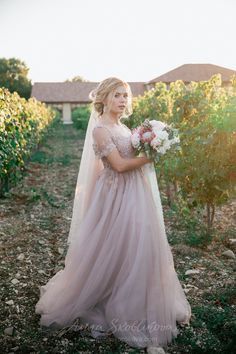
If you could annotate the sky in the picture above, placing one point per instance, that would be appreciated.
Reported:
(135, 40)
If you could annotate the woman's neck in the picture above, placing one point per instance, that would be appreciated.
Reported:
(110, 119)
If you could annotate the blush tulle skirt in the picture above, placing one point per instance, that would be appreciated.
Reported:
(119, 274)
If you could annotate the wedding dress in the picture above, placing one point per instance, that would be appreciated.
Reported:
(119, 274)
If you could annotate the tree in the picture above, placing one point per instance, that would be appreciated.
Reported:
(13, 76)
(77, 79)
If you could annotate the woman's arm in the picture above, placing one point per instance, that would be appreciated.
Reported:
(106, 148)
(120, 164)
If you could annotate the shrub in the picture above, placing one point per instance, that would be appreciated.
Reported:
(22, 125)
(80, 117)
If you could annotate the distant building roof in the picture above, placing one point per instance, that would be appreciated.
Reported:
(72, 92)
(195, 72)
(78, 92)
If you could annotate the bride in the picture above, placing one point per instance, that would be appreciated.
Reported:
(119, 274)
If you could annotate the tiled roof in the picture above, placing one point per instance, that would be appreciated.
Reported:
(78, 92)
(195, 72)
(72, 92)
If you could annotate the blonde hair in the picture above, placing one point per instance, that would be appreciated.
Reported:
(103, 89)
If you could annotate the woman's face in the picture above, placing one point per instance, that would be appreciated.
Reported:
(120, 100)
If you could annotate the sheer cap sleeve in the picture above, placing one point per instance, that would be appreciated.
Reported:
(103, 143)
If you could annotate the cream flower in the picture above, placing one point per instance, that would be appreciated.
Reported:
(155, 143)
(161, 134)
(157, 124)
(135, 140)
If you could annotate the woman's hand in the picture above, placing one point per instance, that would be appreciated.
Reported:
(144, 155)
(147, 160)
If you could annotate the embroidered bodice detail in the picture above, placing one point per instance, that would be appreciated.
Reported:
(106, 139)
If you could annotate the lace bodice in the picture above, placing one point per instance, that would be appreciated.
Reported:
(107, 138)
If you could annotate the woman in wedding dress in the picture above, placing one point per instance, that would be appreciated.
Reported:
(119, 274)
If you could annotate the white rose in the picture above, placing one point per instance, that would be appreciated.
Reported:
(157, 124)
(135, 140)
(161, 134)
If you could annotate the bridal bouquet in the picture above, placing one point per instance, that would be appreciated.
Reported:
(154, 138)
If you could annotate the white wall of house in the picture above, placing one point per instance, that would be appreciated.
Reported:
(66, 113)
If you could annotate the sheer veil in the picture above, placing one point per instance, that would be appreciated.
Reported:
(150, 173)
(89, 169)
